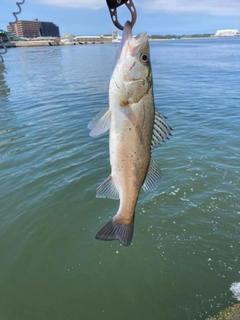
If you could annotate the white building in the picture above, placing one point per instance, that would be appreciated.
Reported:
(93, 39)
(227, 33)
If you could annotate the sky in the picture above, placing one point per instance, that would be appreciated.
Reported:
(91, 17)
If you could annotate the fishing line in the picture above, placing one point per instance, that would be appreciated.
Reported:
(11, 24)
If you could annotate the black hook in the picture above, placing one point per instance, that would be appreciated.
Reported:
(114, 4)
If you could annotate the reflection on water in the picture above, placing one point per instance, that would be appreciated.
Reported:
(4, 89)
(5, 113)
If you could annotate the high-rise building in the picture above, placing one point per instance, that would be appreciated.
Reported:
(49, 29)
(34, 29)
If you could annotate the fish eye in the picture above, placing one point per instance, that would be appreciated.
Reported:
(144, 58)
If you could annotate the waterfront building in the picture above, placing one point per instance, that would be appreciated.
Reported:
(93, 39)
(34, 29)
(227, 33)
(49, 29)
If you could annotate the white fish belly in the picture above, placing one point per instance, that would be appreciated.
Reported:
(130, 141)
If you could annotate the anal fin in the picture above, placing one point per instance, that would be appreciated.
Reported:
(107, 190)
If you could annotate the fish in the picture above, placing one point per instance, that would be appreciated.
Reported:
(136, 128)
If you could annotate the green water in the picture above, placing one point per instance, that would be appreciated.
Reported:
(186, 247)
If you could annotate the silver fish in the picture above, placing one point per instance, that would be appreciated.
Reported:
(136, 128)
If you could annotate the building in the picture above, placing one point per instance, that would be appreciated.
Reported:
(25, 29)
(93, 39)
(227, 33)
(49, 29)
(34, 29)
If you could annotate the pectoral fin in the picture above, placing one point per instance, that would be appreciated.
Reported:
(153, 177)
(100, 123)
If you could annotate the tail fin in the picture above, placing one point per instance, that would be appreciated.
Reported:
(114, 230)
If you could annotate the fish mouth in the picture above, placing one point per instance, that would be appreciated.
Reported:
(127, 33)
(126, 38)
(130, 46)
(133, 43)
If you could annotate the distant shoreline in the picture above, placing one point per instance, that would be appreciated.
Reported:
(193, 38)
(46, 43)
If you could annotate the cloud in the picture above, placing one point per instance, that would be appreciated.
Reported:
(209, 7)
(83, 4)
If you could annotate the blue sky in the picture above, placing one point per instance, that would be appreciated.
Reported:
(91, 17)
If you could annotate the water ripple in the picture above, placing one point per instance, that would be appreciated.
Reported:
(186, 232)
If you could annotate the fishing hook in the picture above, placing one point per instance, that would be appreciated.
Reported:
(114, 4)
(11, 24)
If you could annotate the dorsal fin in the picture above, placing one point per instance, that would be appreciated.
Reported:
(161, 130)
(153, 177)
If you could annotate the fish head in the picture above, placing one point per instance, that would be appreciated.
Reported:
(132, 74)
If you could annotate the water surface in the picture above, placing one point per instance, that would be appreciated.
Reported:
(186, 249)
